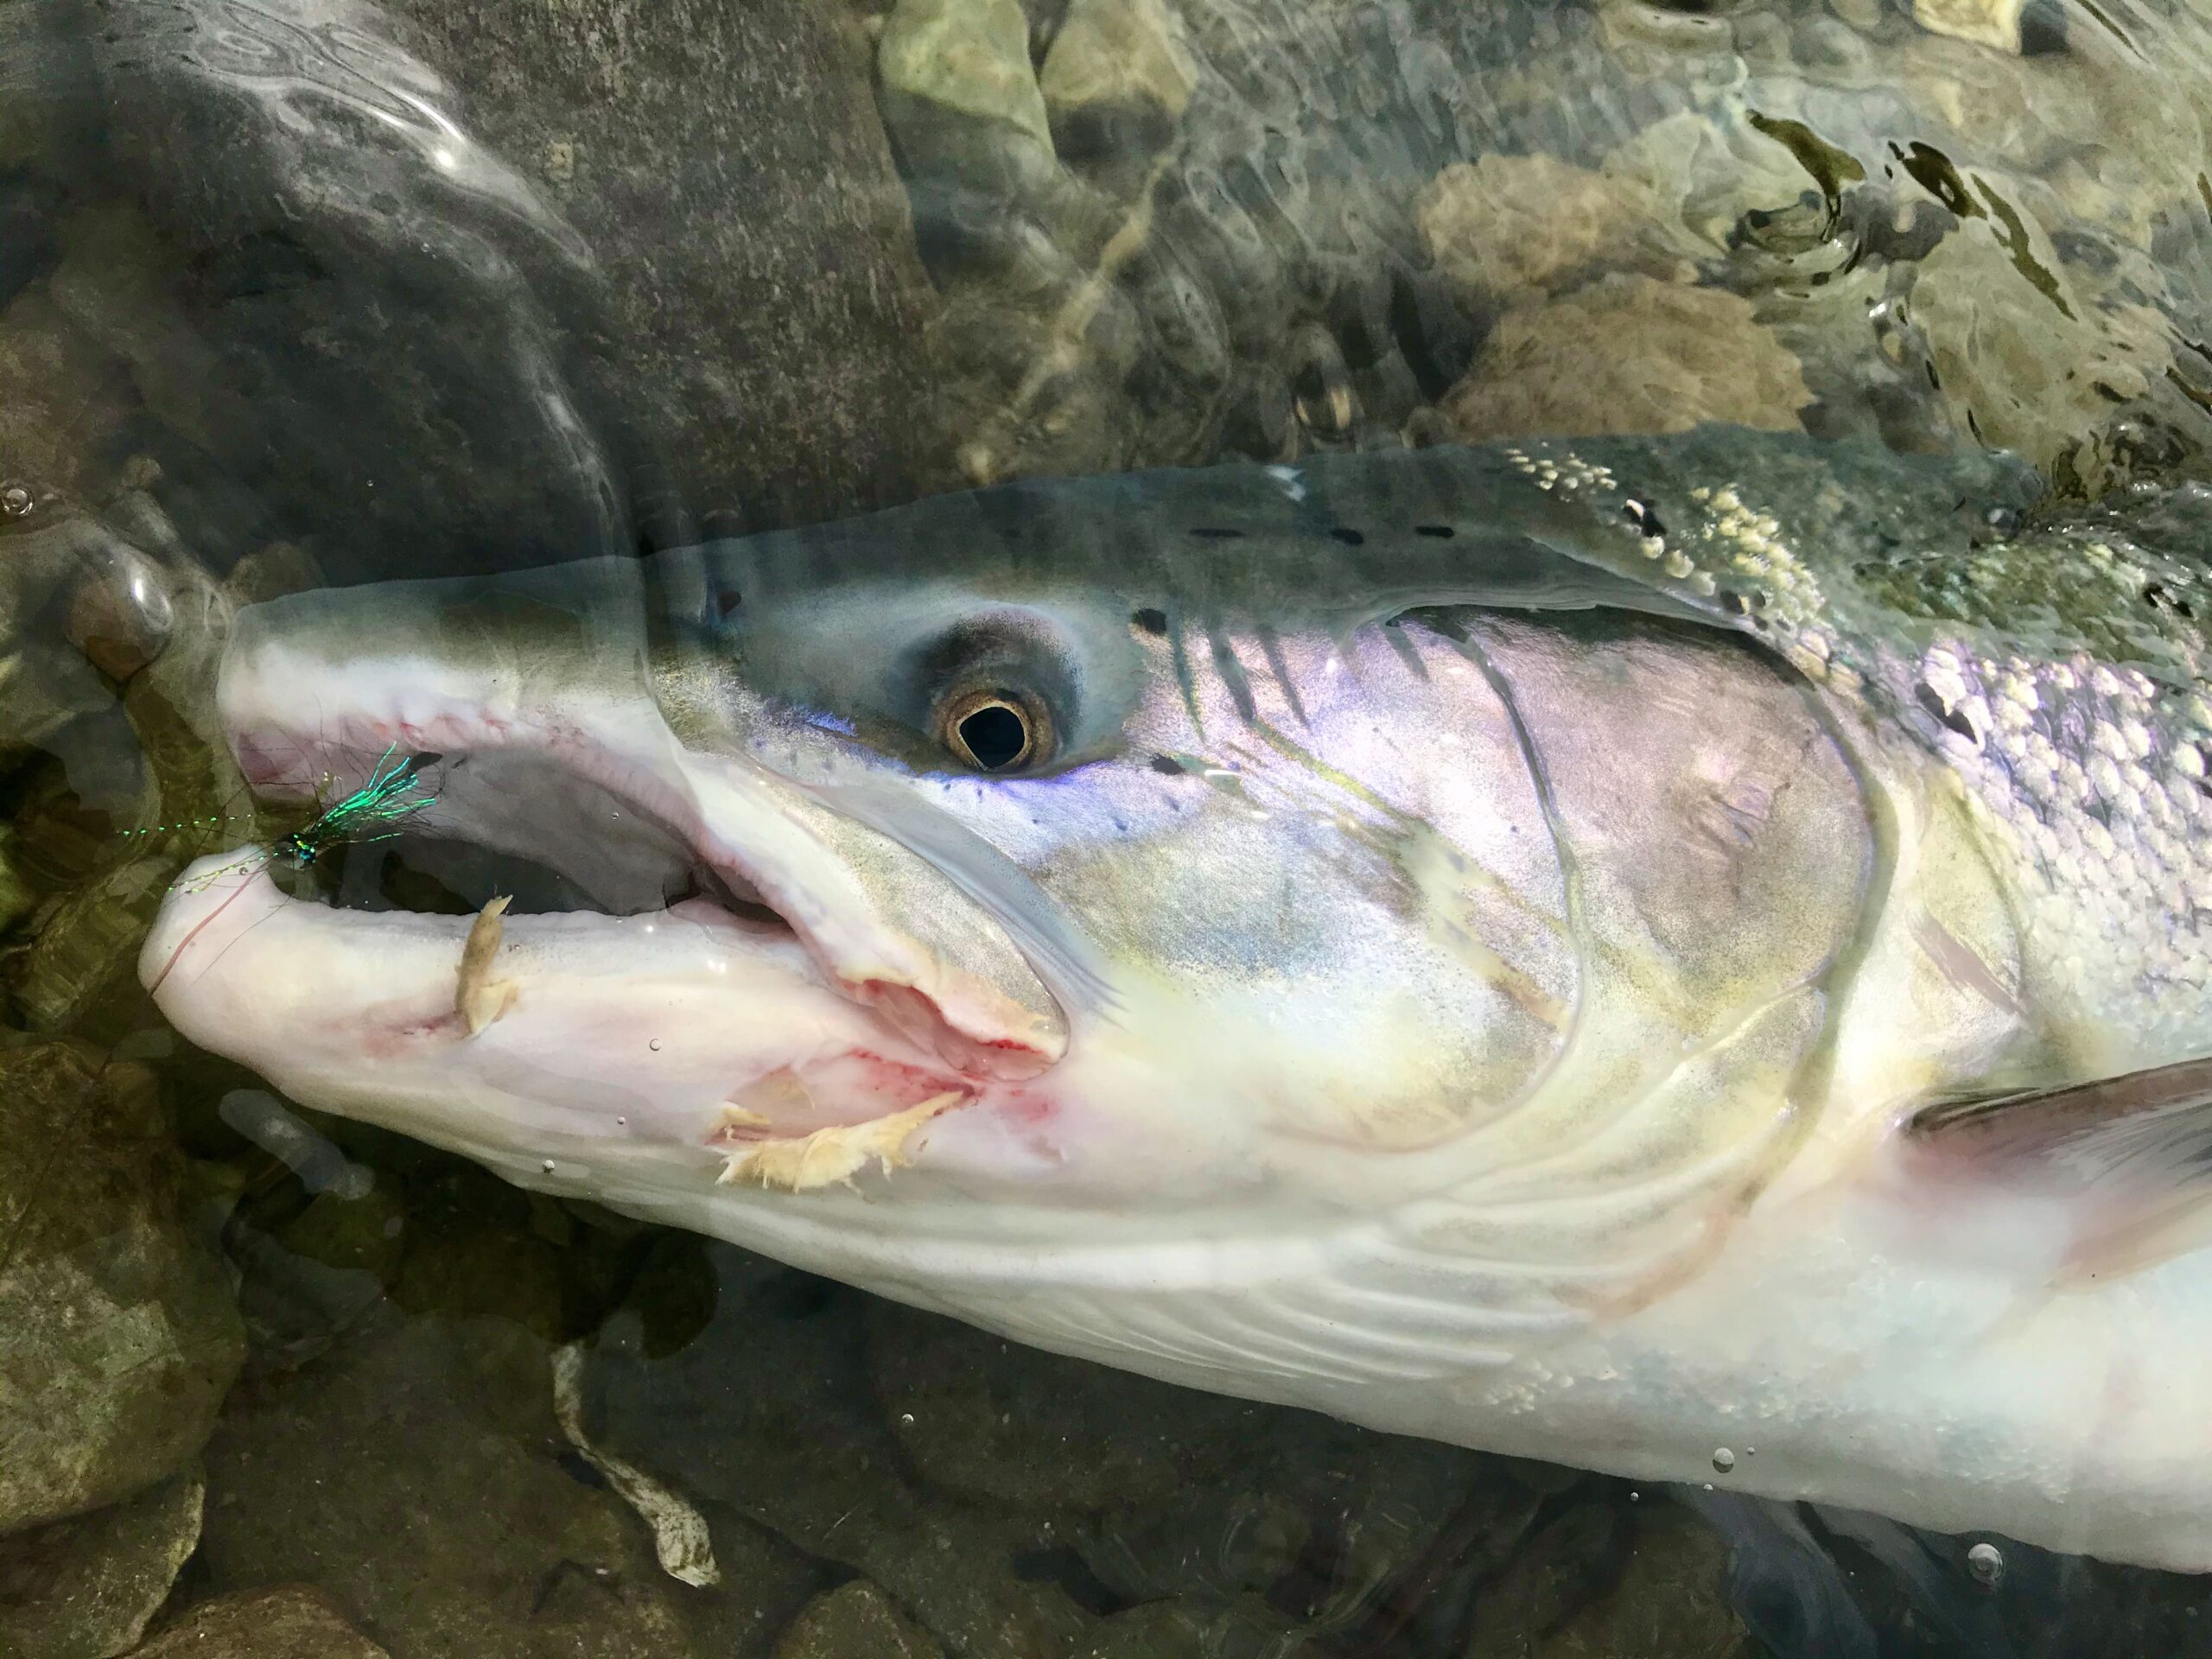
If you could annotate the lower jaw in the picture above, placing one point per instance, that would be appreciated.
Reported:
(683, 1027)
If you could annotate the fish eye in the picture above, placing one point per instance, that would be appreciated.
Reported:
(996, 730)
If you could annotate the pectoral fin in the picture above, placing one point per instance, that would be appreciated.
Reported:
(2128, 1158)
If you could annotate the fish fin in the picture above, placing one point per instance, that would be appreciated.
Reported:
(2129, 1158)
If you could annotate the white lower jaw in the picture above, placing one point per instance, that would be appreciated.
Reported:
(627, 1036)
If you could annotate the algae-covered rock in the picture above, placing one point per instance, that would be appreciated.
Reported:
(61, 398)
(118, 1334)
(84, 960)
(84, 1588)
(18, 897)
(1627, 354)
(2022, 27)
(853, 1620)
(286, 1624)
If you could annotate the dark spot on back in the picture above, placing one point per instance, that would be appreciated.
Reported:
(1151, 621)
(1953, 718)
(1348, 536)
(2161, 596)
(1442, 532)
(1645, 517)
(1167, 766)
(1215, 533)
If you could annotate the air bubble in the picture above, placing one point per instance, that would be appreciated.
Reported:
(1724, 1460)
(549, 1165)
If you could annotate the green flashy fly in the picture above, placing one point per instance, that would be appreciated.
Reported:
(393, 791)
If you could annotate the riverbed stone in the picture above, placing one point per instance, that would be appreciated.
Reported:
(855, 1619)
(117, 1333)
(414, 1473)
(289, 1622)
(1628, 354)
(1115, 83)
(765, 301)
(84, 1588)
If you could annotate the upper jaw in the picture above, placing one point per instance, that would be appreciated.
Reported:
(298, 717)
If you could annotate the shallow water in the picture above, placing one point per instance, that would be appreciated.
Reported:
(311, 292)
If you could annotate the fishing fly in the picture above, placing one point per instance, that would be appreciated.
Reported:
(394, 792)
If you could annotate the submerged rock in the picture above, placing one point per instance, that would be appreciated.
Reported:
(1596, 1585)
(63, 400)
(1017, 1505)
(117, 1333)
(1628, 354)
(2036, 355)
(959, 62)
(761, 303)
(86, 1588)
(2025, 27)
(1504, 223)
(1116, 82)
(853, 1620)
(415, 1473)
(288, 1624)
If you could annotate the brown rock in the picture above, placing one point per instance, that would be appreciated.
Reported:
(286, 1624)
(1509, 223)
(120, 616)
(855, 1621)
(118, 1334)
(1627, 354)
(84, 1588)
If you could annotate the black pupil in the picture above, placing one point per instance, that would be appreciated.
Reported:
(996, 735)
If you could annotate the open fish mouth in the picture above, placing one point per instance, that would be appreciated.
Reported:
(682, 954)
